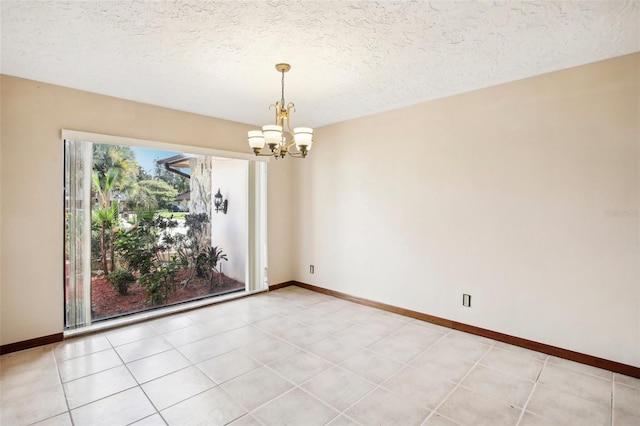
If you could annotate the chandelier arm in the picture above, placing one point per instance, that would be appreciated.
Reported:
(276, 106)
(290, 108)
(296, 155)
(289, 145)
(278, 153)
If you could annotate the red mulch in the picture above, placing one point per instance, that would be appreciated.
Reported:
(107, 303)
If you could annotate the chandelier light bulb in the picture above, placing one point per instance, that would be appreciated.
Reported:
(303, 137)
(256, 139)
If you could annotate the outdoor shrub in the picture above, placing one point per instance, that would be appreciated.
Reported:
(208, 260)
(96, 251)
(146, 248)
(188, 246)
(120, 280)
(137, 247)
(154, 251)
(157, 283)
(201, 268)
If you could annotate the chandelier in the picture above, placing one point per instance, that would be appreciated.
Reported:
(274, 136)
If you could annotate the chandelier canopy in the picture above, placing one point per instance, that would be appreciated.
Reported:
(274, 136)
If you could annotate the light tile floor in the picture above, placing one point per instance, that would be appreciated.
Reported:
(295, 357)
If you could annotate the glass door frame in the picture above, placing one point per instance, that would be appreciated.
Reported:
(256, 275)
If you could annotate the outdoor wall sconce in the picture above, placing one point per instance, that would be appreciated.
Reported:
(220, 203)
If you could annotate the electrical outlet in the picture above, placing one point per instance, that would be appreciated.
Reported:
(466, 300)
(311, 269)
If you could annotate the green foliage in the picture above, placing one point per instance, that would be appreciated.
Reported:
(160, 191)
(152, 249)
(139, 198)
(107, 214)
(145, 248)
(144, 215)
(195, 224)
(136, 247)
(120, 280)
(189, 246)
(96, 248)
(208, 260)
(106, 217)
(144, 245)
(115, 159)
(200, 265)
(136, 187)
(104, 186)
(143, 174)
(158, 282)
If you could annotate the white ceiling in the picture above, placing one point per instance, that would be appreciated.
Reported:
(349, 58)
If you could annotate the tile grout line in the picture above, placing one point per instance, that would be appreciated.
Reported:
(408, 363)
(613, 401)
(64, 392)
(524, 407)
(544, 364)
(340, 412)
(66, 400)
(424, 423)
(138, 384)
(459, 382)
(76, 340)
(379, 386)
(113, 348)
(586, 372)
(526, 404)
(266, 365)
(300, 388)
(535, 385)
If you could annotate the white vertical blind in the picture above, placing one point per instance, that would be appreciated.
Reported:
(77, 185)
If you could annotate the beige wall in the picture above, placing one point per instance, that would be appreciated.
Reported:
(280, 212)
(501, 193)
(31, 173)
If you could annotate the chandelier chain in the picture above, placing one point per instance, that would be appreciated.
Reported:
(282, 96)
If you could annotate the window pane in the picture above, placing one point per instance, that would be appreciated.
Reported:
(149, 228)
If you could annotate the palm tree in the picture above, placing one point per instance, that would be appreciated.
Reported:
(106, 214)
(122, 159)
(119, 158)
(104, 192)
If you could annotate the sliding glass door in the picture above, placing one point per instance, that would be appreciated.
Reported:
(147, 228)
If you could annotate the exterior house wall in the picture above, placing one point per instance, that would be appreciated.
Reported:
(229, 231)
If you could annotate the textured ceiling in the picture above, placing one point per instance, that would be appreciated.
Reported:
(349, 58)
